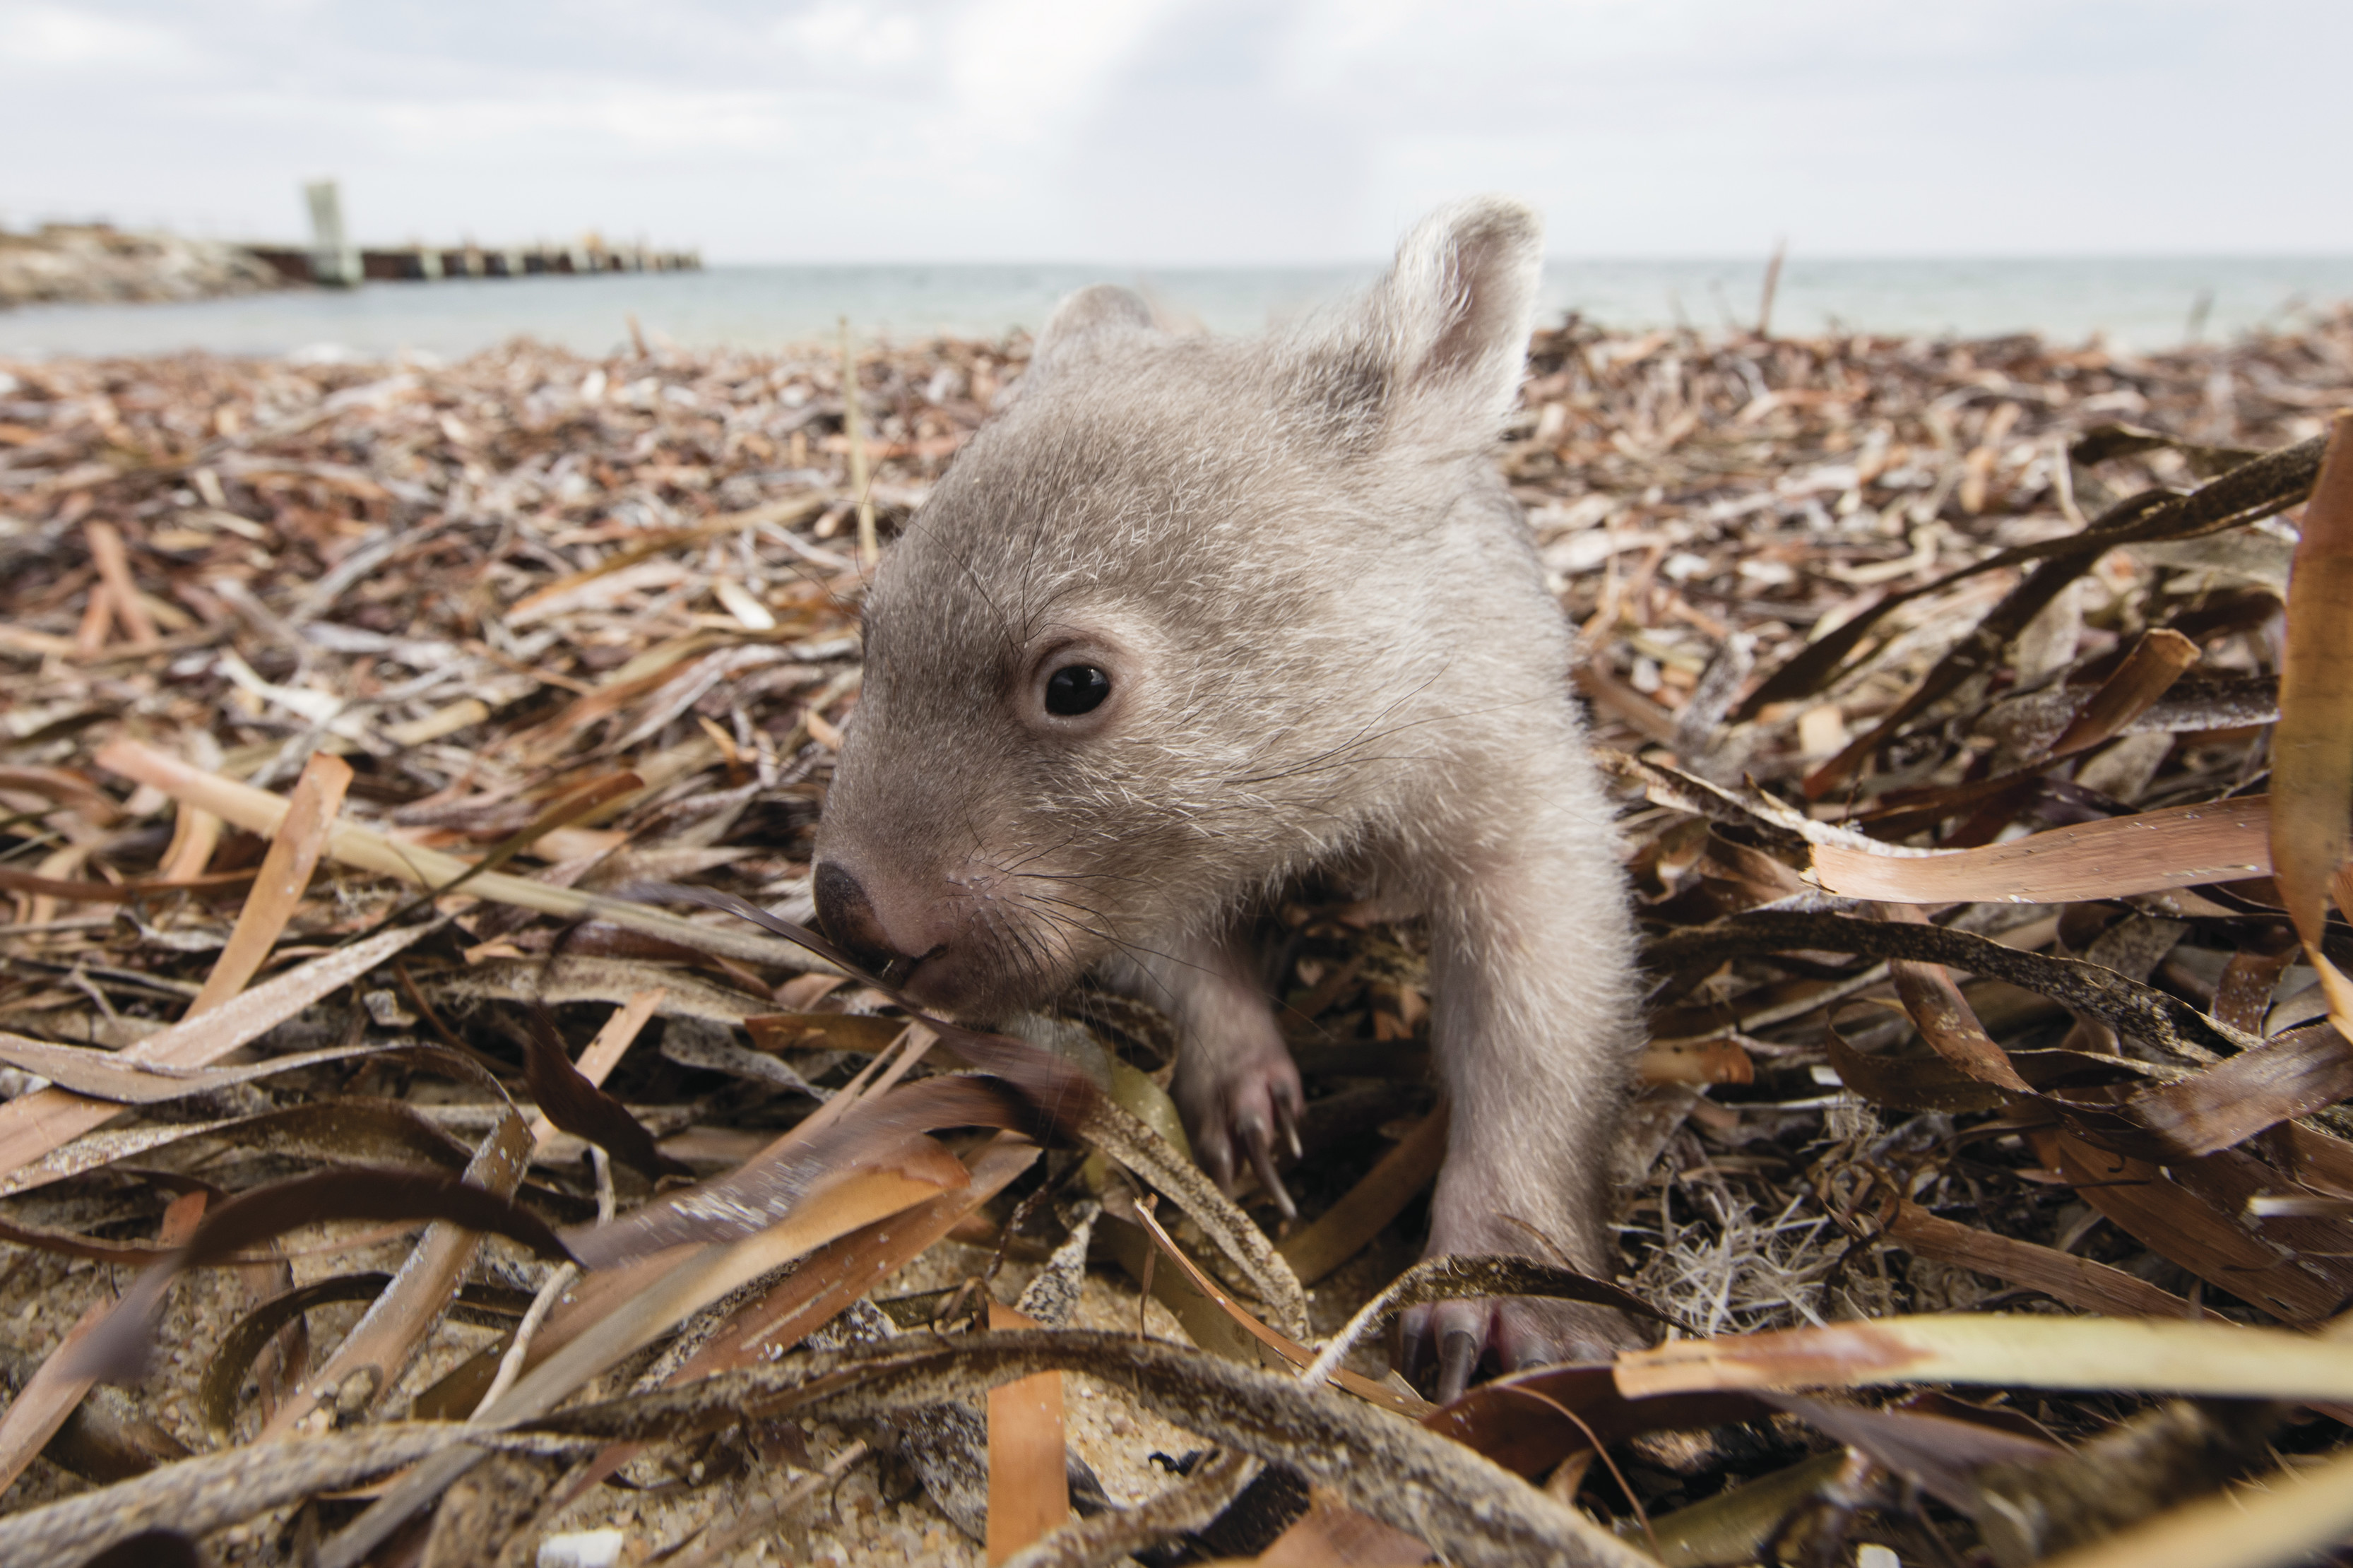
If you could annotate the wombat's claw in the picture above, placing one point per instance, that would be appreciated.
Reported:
(1513, 1334)
(1457, 1358)
(1259, 1147)
(1457, 1331)
(1244, 1114)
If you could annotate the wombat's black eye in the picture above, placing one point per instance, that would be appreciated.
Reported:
(1076, 689)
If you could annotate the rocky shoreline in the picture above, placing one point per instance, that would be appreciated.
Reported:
(89, 264)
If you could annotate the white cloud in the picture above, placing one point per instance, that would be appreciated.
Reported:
(1023, 66)
(630, 121)
(848, 33)
(1173, 132)
(59, 37)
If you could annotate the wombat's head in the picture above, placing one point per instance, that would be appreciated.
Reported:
(1129, 663)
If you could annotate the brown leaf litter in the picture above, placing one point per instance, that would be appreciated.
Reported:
(375, 736)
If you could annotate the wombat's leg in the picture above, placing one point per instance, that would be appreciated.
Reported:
(1533, 1014)
(1235, 1084)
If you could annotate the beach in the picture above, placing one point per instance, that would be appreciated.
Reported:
(586, 621)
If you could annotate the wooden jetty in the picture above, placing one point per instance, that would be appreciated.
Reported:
(415, 264)
(331, 260)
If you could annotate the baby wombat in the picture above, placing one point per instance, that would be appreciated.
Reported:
(1196, 616)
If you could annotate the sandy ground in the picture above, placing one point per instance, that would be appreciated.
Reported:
(869, 1518)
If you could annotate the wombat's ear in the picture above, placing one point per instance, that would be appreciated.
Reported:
(1086, 319)
(1447, 330)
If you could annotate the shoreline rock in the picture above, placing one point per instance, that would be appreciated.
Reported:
(80, 264)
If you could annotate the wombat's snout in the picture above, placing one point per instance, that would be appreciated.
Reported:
(847, 914)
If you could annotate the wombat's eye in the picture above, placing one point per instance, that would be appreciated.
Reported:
(1076, 689)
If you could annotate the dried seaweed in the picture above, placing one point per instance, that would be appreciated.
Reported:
(1994, 965)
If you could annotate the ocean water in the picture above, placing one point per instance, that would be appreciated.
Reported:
(2136, 302)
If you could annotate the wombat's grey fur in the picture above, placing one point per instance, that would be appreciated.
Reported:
(1315, 636)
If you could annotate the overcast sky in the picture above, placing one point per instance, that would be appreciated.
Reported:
(1172, 132)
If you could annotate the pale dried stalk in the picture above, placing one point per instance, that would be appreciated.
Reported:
(33, 1124)
(259, 810)
(853, 424)
(284, 876)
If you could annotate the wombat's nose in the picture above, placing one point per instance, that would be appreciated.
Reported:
(848, 918)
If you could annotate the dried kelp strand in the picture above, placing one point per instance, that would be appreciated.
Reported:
(2164, 1022)
(1068, 1102)
(1464, 1506)
(875, 1132)
(211, 1491)
(118, 1348)
(488, 1306)
(579, 1107)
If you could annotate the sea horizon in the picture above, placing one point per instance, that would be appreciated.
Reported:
(2134, 302)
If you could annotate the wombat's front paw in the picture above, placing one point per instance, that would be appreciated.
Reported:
(1508, 1333)
(1247, 1104)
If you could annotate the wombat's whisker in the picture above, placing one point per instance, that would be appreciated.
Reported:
(1132, 950)
(1015, 868)
(1080, 876)
(1029, 946)
(1136, 951)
